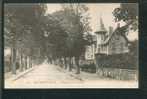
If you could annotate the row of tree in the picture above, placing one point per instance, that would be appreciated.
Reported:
(60, 37)
(22, 29)
(35, 36)
(70, 45)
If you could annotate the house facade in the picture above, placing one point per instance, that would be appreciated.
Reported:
(107, 42)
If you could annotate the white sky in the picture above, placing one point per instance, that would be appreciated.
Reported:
(96, 10)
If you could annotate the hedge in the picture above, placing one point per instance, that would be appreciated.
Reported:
(121, 61)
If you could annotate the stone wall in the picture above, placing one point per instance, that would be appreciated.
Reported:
(118, 66)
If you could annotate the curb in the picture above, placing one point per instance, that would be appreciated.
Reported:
(21, 74)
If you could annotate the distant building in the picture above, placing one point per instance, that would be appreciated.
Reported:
(107, 42)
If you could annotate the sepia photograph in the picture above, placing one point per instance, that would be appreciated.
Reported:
(71, 45)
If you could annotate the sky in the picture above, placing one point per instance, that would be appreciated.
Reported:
(96, 11)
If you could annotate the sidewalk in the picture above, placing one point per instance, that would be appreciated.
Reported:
(12, 77)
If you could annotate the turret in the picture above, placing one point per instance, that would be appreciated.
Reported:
(101, 33)
(102, 29)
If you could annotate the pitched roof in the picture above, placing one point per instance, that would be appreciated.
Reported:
(108, 38)
(117, 30)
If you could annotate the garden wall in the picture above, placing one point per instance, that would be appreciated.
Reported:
(120, 61)
(117, 66)
(119, 74)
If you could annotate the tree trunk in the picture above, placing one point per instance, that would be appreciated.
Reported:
(65, 63)
(21, 62)
(72, 63)
(30, 62)
(70, 67)
(77, 65)
(49, 60)
(13, 60)
(25, 60)
(60, 62)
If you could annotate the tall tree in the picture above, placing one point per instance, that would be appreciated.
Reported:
(75, 20)
(21, 31)
(127, 12)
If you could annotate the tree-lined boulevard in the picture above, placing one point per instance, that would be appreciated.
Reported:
(53, 45)
(58, 37)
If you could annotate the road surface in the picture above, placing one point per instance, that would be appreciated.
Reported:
(52, 76)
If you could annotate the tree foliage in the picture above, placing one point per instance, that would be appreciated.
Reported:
(62, 34)
(21, 30)
(22, 33)
(127, 12)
